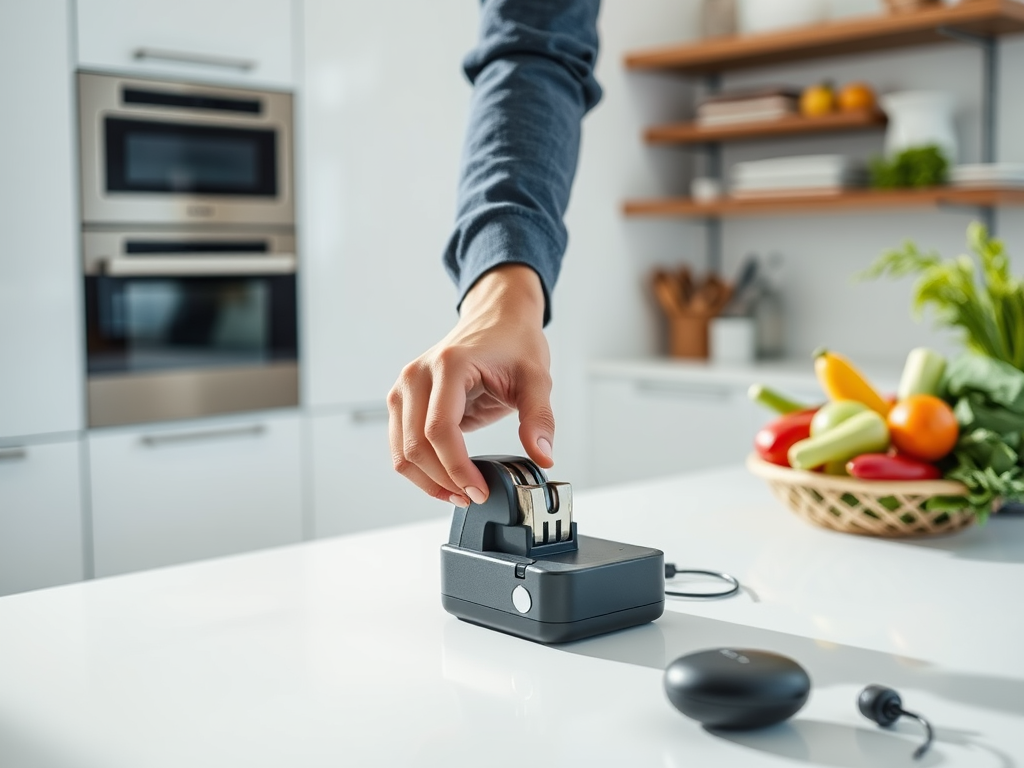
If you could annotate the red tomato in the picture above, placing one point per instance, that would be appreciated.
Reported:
(923, 426)
(773, 441)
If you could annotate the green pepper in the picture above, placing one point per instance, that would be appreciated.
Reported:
(832, 414)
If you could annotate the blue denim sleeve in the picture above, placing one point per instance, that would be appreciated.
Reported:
(533, 78)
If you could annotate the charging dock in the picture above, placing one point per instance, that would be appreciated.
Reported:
(516, 563)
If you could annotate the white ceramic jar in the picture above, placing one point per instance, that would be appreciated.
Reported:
(919, 118)
(733, 340)
(767, 15)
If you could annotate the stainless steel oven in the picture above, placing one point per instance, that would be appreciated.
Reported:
(157, 152)
(189, 324)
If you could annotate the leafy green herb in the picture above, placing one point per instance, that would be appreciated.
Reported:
(988, 398)
(915, 167)
(984, 486)
(990, 312)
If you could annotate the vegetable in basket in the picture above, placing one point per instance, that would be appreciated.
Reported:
(842, 381)
(922, 373)
(882, 466)
(988, 397)
(923, 426)
(773, 400)
(832, 414)
(773, 441)
(863, 432)
(978, 296)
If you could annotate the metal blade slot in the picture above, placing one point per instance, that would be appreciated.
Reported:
(546, 510)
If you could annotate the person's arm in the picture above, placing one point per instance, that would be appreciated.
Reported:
(533, 82)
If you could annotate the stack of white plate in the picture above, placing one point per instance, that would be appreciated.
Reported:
(803, 174)
(987, 175)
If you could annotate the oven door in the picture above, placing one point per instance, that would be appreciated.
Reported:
(168, 153)
(183, 327)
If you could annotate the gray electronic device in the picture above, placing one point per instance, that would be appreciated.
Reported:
(516, 563)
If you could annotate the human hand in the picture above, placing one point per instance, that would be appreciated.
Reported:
(493, 362)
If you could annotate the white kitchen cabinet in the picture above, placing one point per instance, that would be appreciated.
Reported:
(169, 494)
(381, 117)
(41, 542)
(646, 427)
(40, 308)
(226, 41)
(661, 417)
(354, 485)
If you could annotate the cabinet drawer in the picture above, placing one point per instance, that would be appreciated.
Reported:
(41, 541)
(229, 41)
(169, 495)
(645, 428)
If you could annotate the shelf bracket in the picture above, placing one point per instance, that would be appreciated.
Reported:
(989, 85)
(713, 168)
(985, 213)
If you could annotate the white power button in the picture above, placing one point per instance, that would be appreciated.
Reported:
(521, 599)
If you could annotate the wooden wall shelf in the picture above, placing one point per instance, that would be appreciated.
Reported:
(850, 200)
(695, 133)
(986, 18)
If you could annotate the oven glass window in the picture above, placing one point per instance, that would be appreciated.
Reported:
(149, 324)
(146, 156)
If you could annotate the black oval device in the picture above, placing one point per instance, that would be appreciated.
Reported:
(736, 688)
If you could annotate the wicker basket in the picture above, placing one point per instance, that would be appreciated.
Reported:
(869, 507)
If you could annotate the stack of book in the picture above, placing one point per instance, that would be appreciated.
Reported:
(800, 175)
(748, 106)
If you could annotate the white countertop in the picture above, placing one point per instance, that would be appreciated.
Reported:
(783, 373)
(338, 653)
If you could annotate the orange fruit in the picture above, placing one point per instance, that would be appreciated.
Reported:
(923, 426)
(817, 100)
(856, 97)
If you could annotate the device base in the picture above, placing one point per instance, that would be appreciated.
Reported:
(547, 631)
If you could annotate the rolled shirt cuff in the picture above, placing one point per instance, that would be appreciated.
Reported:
(509, 238)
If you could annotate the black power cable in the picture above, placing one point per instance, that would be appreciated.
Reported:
(671, 571)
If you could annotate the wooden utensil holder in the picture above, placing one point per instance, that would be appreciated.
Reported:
(688, 336)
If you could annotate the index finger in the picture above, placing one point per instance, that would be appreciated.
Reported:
(445, 410)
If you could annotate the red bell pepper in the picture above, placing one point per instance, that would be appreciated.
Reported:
(882, 466)
(773, 441)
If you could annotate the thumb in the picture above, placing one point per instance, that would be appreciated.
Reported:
(537, 422)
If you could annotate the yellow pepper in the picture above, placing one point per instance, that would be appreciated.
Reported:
(842, 381)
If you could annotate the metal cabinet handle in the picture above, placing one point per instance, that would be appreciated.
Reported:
(196, 264)
(370, 414)
(13, 454)
(204, 59)
(680, 389)
(155, 441)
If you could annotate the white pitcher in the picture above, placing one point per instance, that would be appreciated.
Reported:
(919, 118)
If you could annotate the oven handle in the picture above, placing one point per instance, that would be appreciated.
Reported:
(198, 265)
(13, 453)
(204, 59)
